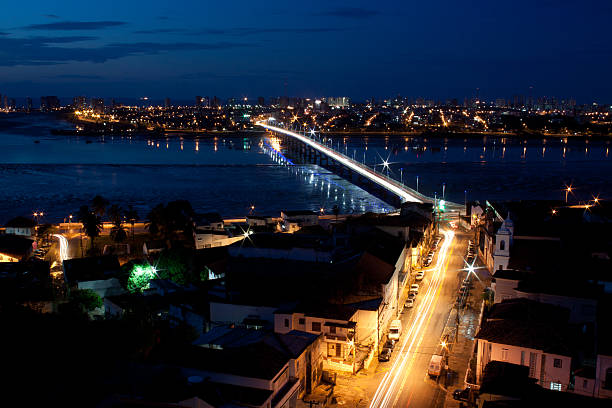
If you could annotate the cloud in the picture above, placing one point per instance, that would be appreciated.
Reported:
(45, 51)
(161, 31)
(76, 76)
(240, 31)
(74, 25)
(349, 12)
(51, 16)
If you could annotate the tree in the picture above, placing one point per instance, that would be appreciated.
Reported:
(166, 221)
(175, 264)
(91, 223)
(140, 277)
(132, 215)
(99, 205)
(86, 299)
(117, 233)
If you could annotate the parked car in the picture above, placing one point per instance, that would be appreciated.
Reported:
(420, 275)
(462, 394)
(409, 303)
(412, 296)
(414, 288)
(384, 355)
(389, 344)
(426, 262)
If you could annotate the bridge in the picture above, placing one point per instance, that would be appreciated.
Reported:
(404, 193)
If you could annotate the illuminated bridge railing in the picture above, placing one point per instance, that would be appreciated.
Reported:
(405, 193)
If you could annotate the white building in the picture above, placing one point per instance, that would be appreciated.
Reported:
(529, 334)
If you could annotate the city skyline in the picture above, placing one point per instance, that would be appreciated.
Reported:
(356, 49)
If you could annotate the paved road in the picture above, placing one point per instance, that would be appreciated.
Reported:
(406, 382)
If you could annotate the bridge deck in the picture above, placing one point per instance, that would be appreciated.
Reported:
(405, 193)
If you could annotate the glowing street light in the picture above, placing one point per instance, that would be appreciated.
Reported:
(567, 190)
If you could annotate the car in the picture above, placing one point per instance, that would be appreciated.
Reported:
(462, 394)
(427, 262)
(412, 296)
(384, 355)
(453, 225)
(420, 275)
(409, 303)
(414, 288)
(390, 344)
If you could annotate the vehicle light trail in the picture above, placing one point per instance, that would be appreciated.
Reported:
(403, 192)
(63, 250)
(388, 390)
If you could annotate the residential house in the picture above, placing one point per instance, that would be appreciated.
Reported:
(265, 369)
(98, 273)
(21, 226)
(209, 231)
(291, 221)
(303, 349)
(15, 248)
(527, 333)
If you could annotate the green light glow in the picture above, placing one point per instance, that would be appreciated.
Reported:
(140, 277)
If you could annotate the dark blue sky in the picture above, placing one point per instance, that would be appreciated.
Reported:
(434, 49)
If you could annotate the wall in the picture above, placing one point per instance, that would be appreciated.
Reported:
(603, 364)
(513, 354)
(108, 287)
(229, 313)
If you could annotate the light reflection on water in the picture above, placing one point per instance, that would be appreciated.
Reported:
(227, 173)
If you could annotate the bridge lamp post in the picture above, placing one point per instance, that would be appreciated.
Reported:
(402, 175)
(443, 190)
(417, 184)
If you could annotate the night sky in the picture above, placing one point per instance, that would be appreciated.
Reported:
(433, 49)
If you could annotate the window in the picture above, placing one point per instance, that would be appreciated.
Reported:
(316, 326)
(332, 329)
(555, 386)
(502, 245)
(585, 383)
(302, 321)
(501, 267)
(286, 322)
(558, 363)
(504, 354)
(522, 357)
(608, 381)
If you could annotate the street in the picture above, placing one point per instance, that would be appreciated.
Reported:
(404, 381)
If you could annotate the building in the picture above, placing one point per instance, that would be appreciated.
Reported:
(531, 334)
(209, 231)
(97, 105)
(293, 220)
(167, 103)
(98, 273)
(49, 103)
(262, 369)
(21, 226)
(339, 102)
(15, 248)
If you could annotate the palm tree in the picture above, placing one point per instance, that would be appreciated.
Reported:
(99, 205)
(91, 223)
(132, 215)
(117, 233)
(114, 213)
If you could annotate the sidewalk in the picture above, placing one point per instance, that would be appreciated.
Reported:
(459, 356)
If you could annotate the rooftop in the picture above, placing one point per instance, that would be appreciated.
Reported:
(91, 268)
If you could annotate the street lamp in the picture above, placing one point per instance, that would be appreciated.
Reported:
(567, 190)
(402, 175)
(417, 184)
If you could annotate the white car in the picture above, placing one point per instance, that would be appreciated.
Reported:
(409, 303)
(420, 275)
(414, 288)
